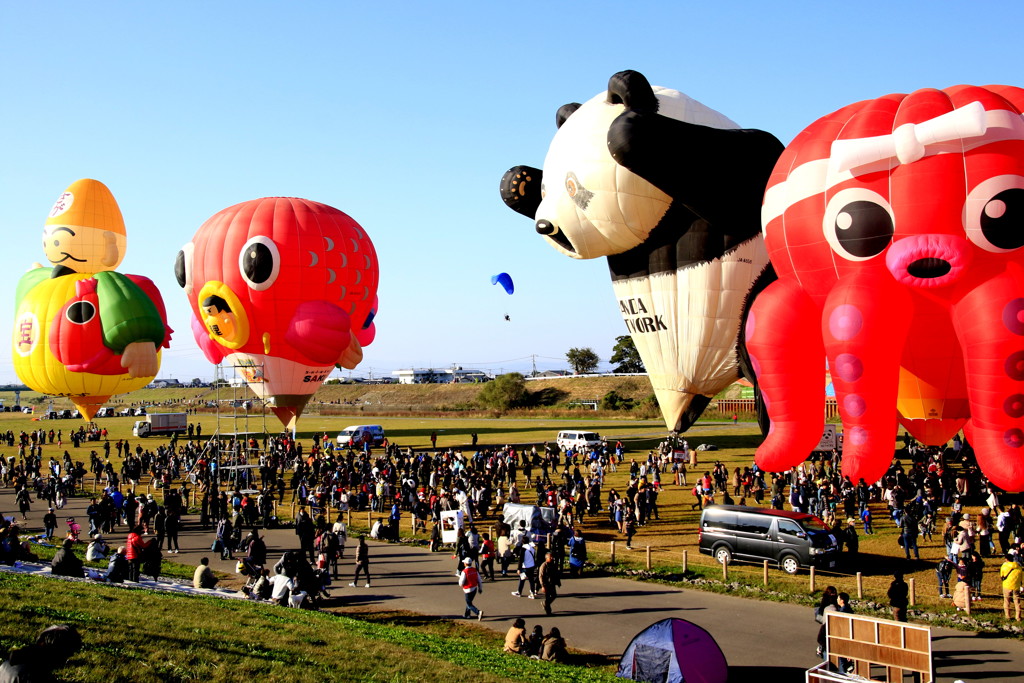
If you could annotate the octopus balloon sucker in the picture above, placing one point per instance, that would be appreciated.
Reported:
(81, 329)
(895, 226)
(283, 289)
(668, 190)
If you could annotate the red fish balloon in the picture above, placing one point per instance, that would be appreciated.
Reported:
(83, 330)
(284, 288)
(896, 226)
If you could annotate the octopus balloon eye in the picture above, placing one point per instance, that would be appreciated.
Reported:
(80, 312)
(995, 214)
(259, 262)
(858, 224)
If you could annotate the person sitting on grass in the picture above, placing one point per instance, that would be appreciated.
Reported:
(553, 647)
(261, 589)
(52, 649)
(117, 566)
(97, 550)
(515, 639)
(203, 577)
(534, 642)
(66, 563)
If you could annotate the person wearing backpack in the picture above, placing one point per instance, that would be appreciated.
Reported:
(1010, 573)
(527, 569)
(469, 580)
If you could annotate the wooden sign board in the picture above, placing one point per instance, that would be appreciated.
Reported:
(882, 648)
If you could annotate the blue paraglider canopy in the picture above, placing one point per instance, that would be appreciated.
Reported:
(505, 280)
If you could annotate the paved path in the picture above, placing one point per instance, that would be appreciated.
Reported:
(599, 614)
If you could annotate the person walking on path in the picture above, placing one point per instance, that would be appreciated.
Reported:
(549, 581)
(24, 501)
(362, 562)
(469, 580)
(528, 570)
(306, 531)
(1011, 573)
(49, 524)
(899, 597)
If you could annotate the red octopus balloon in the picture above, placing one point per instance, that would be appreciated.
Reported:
(896, 226)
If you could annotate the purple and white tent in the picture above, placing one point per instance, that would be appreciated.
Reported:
(674, 651)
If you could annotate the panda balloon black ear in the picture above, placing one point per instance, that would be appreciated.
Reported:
(564, 112)
(632, 89)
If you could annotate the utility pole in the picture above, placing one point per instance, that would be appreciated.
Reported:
(534, 358)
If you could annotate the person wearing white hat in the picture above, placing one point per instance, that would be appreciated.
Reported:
(97, 549)
(469, 580)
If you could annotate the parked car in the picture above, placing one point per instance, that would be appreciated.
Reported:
(357, 434)
(578, 440)
(791, 540)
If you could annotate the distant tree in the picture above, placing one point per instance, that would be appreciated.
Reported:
(582, 361)
(625, 354)
(196, 382)
(614, 401)
(506, 391)
(334, 380)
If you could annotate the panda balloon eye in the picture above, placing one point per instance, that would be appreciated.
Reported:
(571, 185)
(259, 262)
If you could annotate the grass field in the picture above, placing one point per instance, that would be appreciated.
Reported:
(668, 538)
(137, 635)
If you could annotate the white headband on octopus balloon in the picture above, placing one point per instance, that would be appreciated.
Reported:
(954, 132)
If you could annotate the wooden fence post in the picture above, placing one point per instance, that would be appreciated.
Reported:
(812, 579)
(860, 586)
(648, 557)
(725, 571)
(913, 592)
(766, 572)
(686, 561)
(612, 550)
(369, 520)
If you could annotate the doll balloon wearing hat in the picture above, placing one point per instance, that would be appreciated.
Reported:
(81, 329)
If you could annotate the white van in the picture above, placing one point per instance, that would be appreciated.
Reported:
(578, 440)
(356, 435)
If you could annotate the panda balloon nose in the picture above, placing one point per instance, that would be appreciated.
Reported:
(545, 227)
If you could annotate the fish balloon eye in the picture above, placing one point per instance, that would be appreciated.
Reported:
(259, 262)
(80, 312)
(183, 267)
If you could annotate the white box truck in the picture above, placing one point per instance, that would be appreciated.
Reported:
(161, 423)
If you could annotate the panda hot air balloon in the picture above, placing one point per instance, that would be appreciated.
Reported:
(670, 192)
(285, 289)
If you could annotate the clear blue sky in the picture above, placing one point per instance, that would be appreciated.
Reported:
(405, 115)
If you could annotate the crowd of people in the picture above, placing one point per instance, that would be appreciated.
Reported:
(239, 483)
